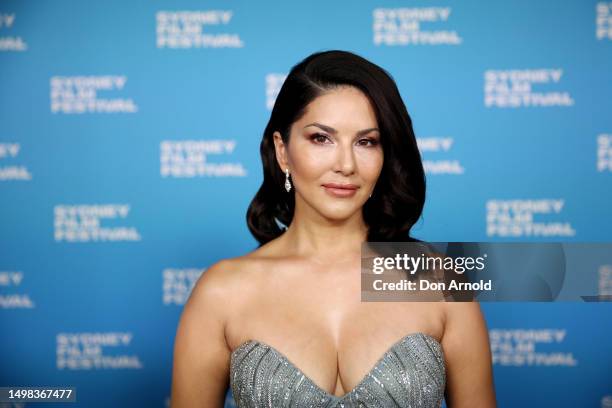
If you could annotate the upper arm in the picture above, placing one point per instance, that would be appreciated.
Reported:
(200, 371)
(468, 357)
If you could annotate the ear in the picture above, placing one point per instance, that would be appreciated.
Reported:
(281, 151)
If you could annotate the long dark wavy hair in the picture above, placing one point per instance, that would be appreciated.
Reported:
(399, 195)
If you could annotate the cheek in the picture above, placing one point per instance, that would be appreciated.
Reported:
(310, 163)
(370, 164)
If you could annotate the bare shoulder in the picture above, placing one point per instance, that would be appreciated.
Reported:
(468, 356)
(233, 277)
(201, 349)
(218, 280)
(464, 324)
(463, 313)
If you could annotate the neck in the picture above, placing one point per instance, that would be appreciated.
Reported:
(311, 235)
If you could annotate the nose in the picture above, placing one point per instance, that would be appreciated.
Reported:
(345, 160)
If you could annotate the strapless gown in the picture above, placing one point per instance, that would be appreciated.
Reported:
(411, 373)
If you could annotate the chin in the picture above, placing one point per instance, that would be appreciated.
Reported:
(339, 214)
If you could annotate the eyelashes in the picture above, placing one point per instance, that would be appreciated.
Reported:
(319, 138)
(373, 142)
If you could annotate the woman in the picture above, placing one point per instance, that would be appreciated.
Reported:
(284, 325)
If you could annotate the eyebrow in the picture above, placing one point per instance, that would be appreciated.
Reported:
(334, 131)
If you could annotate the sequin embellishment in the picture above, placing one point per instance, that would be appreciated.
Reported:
(411, 373)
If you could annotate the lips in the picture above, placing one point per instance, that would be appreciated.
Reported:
(341, 186)
(342, 191)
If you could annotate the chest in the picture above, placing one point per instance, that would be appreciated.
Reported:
(334, 341)
(411, 373)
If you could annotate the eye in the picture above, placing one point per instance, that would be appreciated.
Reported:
(319, 138)
(368, 142)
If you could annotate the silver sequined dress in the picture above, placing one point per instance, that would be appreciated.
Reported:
(410, 374)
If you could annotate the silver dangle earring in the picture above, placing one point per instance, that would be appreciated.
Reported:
(287, 182)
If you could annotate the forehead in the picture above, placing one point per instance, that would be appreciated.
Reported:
(345, 106)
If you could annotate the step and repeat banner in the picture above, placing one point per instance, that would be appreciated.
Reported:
(129, 152)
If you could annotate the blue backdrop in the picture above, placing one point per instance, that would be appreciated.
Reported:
(129, 152)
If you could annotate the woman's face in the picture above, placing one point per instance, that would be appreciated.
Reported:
(336, 141)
